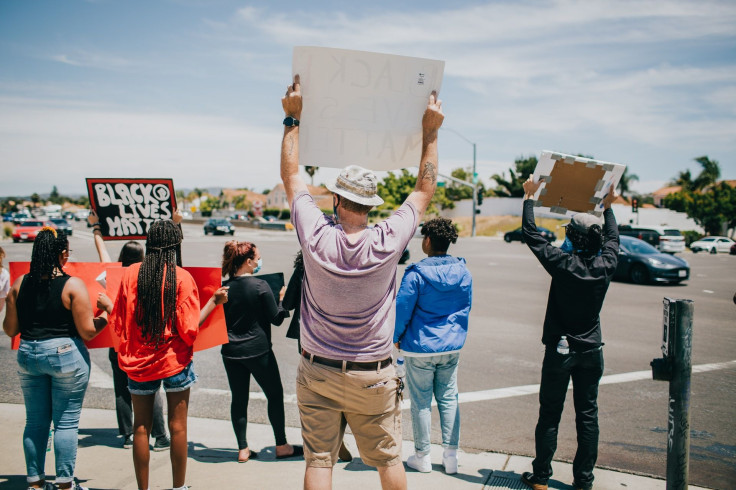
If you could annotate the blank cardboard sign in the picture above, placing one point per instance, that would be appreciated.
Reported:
(574, 184)
(362, 108)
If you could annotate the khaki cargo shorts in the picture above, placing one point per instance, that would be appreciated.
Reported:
(367, 400)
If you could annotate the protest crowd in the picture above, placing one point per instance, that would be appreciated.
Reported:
(347, 375)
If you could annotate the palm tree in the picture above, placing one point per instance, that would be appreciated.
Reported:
(709, 175)
(685, 180)
(311, 171)
(626, 180)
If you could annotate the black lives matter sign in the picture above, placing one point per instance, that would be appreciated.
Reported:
(127, 207)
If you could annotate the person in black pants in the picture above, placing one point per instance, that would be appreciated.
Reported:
(581, 272)
(124, 409)
(292, 301)
(250, 311)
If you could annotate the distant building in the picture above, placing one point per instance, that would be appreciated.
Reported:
(660, 194)
(250, 196)
(276, 199)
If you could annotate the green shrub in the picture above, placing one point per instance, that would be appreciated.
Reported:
(284, 214)
(7, 231)
(691, 236)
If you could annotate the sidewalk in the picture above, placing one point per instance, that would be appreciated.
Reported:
(102, 464)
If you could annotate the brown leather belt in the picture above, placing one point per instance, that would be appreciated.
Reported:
(349, 365)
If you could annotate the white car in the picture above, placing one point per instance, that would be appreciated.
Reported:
(712, 244)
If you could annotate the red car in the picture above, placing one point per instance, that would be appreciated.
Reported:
(27, 230)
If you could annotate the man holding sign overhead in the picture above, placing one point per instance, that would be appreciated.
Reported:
(346, 374)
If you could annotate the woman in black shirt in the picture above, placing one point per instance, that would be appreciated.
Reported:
(249, 313)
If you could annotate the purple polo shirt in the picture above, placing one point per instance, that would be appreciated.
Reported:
(349, 289)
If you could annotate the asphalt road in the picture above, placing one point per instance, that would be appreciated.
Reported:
(504, 351)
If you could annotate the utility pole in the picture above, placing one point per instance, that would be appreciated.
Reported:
(474, 186)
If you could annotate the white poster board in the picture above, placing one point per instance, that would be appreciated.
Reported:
(363, 108)
(574, 184)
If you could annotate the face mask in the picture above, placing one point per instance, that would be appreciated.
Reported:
(258, 267)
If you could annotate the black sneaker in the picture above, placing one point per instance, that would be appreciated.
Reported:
(535, 482)
(127, 442)
(162, 443)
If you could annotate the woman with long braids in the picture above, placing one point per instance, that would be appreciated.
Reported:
(132, 252)
(52, 312)
(250, 311)
(156, 317)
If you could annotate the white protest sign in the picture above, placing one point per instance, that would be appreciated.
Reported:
(363, 108)
(574, 184)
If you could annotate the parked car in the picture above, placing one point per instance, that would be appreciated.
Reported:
(269, 218)
(516, 235)
(27, 231)
(665, 239)
(62, 225)
(19, 218)
(712, 244)
(641, 263)
(219, 226)
(8, 217)
(81, 215)
(67, 215)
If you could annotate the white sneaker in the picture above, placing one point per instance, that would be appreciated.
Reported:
(449, 461)
(420, 462)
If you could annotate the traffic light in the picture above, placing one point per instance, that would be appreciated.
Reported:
(480, 197)
(635, 205)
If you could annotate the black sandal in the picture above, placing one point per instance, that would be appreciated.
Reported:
(298, 452)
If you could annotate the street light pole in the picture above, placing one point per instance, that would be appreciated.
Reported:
(475, 177)
(475, 192)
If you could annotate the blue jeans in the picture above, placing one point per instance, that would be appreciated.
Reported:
(181, 381)
(585, 369)
(427, 376)
(53, 375)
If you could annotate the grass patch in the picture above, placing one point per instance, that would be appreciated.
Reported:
(498, 225)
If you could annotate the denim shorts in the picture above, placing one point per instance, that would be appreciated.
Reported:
(177, 382)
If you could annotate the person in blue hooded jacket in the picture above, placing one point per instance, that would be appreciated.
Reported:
(432, 309)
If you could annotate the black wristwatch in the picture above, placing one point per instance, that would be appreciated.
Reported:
(291, 121)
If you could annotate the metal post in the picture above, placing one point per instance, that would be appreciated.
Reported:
(475, 193)
(678, 417)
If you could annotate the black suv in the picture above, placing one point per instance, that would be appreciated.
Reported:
(219, 226)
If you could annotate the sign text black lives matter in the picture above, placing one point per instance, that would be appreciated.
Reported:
(127, 207)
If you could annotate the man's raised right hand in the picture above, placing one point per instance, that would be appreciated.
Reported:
(433, 116)
(292, 101)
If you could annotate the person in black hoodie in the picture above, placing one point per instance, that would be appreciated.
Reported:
(580, 279)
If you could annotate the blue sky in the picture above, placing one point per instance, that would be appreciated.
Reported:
(191, 89)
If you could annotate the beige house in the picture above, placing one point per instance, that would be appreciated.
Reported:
(660, 194)
(276, 199)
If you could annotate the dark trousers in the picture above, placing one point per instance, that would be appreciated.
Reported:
(586, 370)
(265, 370)
(124, 405)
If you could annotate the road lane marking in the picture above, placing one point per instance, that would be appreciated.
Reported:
(100, 379)
(498, 393)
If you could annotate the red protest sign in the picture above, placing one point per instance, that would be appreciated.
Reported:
(127, 207)
(87, 272)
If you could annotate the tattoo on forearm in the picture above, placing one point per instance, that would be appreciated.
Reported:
(429, 172)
